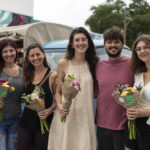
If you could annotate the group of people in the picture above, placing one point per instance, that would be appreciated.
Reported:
(96, 78)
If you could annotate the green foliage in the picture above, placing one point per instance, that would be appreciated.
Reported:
(112, 14)
(105, 16)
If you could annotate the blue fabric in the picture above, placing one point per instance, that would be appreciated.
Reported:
(8, 133)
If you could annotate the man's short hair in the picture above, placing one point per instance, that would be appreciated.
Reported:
(113, 33)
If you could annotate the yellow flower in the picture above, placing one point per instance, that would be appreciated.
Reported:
(71, 76)
(66, 79)
(5, 83)
(40, 101)
(32, 95)
(124, 93)
(130, 88)
(12, 88)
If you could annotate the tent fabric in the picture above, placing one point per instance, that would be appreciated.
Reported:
(40, 32)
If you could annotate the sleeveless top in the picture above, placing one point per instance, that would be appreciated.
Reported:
(30, 119)
(12, 103)
(78, 132)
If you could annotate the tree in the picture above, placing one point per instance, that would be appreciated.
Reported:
(140, 13)
(112, 13)
(105, 16)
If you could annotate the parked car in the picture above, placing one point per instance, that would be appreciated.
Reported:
(55, 50)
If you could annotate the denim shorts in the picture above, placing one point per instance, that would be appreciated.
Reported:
(8, 133)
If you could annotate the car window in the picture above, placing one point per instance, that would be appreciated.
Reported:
(54, 56)
(101, 53)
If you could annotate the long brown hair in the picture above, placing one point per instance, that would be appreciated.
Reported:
(90, 56)
(28, 68)
(4, 43)
(137, 66)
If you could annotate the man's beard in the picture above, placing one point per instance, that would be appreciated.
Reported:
(114, 55)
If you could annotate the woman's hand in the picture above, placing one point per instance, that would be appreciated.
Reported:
(63, 112)
(45, 113)
(134, 112)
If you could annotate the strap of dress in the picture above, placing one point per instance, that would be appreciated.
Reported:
(47, 76)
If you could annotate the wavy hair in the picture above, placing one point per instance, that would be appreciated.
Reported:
(4, 43)
(113, 33)
(90, 56)
(138, 66)
(28, 68)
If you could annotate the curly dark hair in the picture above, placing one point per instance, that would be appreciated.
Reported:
(28, 68)
(137, 66)
(4, 43)
(113, 33)
(90, 56)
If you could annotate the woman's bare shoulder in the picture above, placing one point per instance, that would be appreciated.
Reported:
(63, 62)
(53, 74)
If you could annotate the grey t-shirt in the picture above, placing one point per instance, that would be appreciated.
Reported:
(12, 103)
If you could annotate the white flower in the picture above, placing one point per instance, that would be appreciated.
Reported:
(34, 96)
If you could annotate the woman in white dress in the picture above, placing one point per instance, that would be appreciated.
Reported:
(140, 67)
(78, 132)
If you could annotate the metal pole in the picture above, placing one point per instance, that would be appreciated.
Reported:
(125, 25)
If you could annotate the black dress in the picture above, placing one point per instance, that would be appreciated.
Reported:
(30, 119)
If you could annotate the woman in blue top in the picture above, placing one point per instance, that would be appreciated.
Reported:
(11, 106)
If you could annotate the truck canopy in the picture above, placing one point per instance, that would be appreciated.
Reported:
(40, 32)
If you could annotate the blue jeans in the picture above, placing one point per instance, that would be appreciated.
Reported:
(8, 133)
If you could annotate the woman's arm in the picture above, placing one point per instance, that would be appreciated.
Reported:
(134, 112)
(52, 84)
(61, 69)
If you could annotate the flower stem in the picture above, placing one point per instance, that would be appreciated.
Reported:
(63, 119)
(44, 124)
(133, 132)
(42, 128)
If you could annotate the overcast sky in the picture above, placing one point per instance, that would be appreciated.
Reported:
(68, 12)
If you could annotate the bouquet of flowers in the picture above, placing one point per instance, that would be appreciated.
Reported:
(5, 88)
(70, 88)
(128, 97)
(35, 101)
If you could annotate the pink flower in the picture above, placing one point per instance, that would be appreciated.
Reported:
(76, 84)
(135, 91)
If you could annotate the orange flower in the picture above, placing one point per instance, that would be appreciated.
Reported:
(40, 101)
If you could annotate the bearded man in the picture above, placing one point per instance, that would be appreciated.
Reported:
(110, 116)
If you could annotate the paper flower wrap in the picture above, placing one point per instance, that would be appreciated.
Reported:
(128, 97)
(128, 100)
(5, 89)
(35, 101)
(70, 88)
